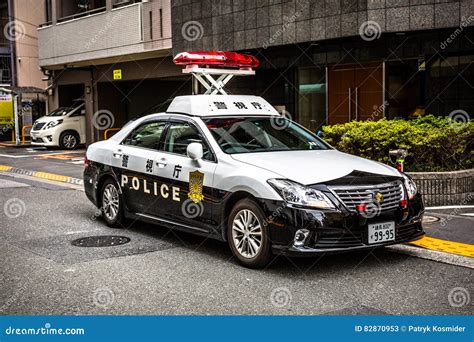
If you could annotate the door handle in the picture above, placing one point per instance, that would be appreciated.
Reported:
(117, 154)
(161, 163)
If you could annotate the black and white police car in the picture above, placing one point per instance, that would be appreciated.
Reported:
(232, 168)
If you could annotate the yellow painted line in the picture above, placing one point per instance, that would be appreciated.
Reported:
(5, 168)
(446, 246)
(51, 176)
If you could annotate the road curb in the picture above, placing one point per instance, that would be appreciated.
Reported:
(42, 175)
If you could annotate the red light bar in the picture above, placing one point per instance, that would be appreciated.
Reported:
(217, 58)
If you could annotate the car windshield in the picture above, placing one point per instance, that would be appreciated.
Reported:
(61, 111)
(257, 134)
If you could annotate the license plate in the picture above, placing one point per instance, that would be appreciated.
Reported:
(381, 232)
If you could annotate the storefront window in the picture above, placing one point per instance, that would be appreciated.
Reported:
(312, 97)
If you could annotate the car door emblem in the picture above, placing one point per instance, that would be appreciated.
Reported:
(196, 181)
(378, 197)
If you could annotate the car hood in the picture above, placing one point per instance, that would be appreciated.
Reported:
(47, 119)
(310, 167)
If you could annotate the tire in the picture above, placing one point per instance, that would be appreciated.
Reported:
(249, 243)
(111, 213)
(69, 140)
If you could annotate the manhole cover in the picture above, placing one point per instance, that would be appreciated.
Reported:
(100, 241)
(430, 219)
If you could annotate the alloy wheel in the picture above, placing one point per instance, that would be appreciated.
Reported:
(247, 233)
(110, 202)
(69, 141)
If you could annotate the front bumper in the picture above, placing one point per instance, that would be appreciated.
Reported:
(44, 138)
(337, 231)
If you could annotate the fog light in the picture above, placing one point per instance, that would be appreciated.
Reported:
(50, 138)
(300, 237)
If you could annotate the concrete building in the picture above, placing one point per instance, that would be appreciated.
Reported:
(19, 70)
(332, 61)
(114, 53)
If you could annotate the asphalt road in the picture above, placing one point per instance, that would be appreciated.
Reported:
(163, 272)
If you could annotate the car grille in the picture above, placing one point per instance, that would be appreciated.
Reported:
(353, 195)
(37, 126)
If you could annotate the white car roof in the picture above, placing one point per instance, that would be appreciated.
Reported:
(221, 105)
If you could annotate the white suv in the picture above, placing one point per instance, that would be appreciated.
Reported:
(64, 127)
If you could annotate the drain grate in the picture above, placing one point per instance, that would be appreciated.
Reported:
(100, 241)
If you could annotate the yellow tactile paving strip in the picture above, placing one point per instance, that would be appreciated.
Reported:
(446, 246)
(43, 175)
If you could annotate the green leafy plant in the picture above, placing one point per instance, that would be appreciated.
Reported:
(433, 143)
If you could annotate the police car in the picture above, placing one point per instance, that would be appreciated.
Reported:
(230, 167)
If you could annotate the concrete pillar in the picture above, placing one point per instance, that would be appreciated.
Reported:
(108, 5)
(55, 11)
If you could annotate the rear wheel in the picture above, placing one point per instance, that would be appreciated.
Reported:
(111, 204)
(248, 235)
(68, 140)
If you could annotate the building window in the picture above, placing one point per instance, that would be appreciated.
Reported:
(78, 8)
(312, 97)
(48, 10)
(450, 85)
(5, 70)
(119, 3)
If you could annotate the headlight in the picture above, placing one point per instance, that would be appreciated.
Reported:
(52, 124)
(410, 186)
(294, 193)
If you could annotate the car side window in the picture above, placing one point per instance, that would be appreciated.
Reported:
(79, 112)
(180, 135)
(147, 135)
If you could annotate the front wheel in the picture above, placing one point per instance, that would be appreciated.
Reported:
(111, 204)
(68, 140)
(248, 235)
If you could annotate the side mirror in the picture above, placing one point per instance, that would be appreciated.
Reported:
(83, 112)
(194, 151)
(320, 134)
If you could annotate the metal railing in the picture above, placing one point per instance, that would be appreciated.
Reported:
(106, 132)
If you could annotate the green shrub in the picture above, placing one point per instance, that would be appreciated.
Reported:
(433, 143)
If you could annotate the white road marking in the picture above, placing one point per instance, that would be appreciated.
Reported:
(5, 183)
(33, 155)
(422, 253)
(451, 207)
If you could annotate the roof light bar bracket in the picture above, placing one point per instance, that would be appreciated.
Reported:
(207, 77)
